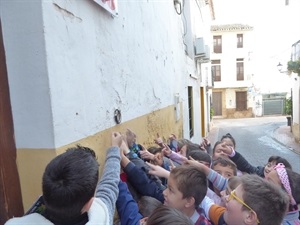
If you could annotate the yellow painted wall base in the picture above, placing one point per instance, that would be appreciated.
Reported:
(296, 132)
(32, 162)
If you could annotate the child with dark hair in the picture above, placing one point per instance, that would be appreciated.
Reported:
(200, 156)
(71, 191)
(147, 204)
(228, 140)
(225, 167)
(164, 215)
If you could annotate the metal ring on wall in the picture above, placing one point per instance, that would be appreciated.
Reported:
(118, 116)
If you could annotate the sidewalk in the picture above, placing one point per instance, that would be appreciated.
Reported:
(284, 135)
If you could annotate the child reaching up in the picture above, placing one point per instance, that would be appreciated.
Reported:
(244, 166)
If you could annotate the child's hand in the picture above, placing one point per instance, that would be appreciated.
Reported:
(116, 139)
(130, 137)
(158, 171)
(195, 163)
(172, 166)
(166, 150)
(172, 137)
(204, 144)
(124, 148)
(226, 149)
(145, 154)
(158, 140)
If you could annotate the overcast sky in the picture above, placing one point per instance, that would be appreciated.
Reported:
(276, 28)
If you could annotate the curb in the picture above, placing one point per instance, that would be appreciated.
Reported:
(287, 140)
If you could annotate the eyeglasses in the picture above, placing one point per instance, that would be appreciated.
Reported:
(232, 195)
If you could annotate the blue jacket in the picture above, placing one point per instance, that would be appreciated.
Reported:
(127, 207)
(142, 183)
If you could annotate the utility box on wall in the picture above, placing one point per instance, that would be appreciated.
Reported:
(201, 49)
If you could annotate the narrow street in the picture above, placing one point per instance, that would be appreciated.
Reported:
(255, 138)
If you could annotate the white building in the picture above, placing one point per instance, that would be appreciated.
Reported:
(232, 69)
(69, 65)
(295, 56)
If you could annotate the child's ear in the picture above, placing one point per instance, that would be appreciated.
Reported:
(87, 205)
(250, 218)
(190, 202)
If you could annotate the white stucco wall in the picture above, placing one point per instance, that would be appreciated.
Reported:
(296, 99)
(78, 64)
(22, 28)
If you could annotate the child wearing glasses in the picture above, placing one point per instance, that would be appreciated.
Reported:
(254, 201)
(289, 181)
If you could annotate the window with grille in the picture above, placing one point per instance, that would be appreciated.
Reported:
(216, 70)
(239, 40)
(191, 111)
(241, 100)
(217, 44)
(240, 69)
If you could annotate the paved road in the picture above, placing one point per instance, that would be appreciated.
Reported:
(254, 139)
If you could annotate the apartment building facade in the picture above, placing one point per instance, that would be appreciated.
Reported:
(231, 63)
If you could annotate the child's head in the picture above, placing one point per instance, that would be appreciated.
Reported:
(232, 184)
(225, 167)
(289, 181)
(182, 146)
(168, 215)
(229, 140)
(187, 186)
(255, 201)
(157, 152)
(217, 150)
(147, 205)
(273, 161)
(200, 156)
(69, 183)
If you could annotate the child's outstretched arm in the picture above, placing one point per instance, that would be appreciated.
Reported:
(217, 180)
(107, 189)
(158, 171)
(127, 207)
(140, 181)
(241, 163)
(213, 212)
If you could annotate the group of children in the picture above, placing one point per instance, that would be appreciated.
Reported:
(230, 190)
(178, 183)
